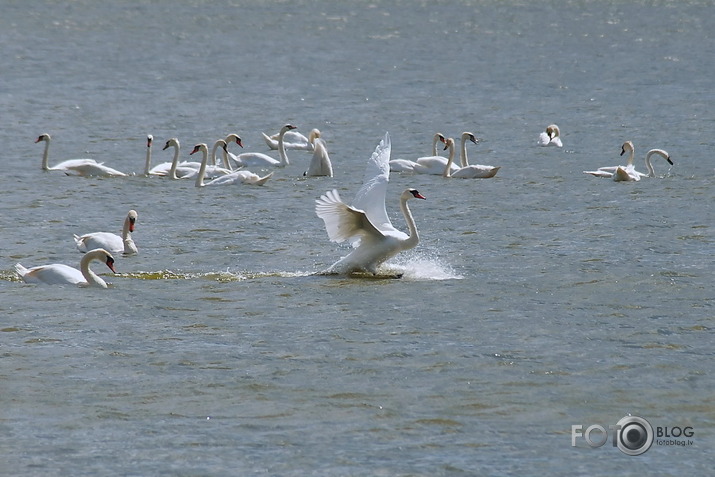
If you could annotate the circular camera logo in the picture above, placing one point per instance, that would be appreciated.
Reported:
(634, 435)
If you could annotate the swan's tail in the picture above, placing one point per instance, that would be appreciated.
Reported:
(20, 270)
(79, 242)
(263, 179)
(271, 143)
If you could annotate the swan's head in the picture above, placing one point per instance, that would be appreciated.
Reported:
(109, 260)
(102, 255)
(149, 139)
(552, 130)
(200, 147)
(42, 137)
(470, 136)
(412, 194)
(171, 142)
(627, 147)
(132, 218)
(288, 127)
(234, 138)
(222, 144)
(314, 134)
(449, 142)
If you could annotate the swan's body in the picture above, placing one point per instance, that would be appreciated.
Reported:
(79, 167)
(60, 274)
(113, 243)
(293, 140)
(235, 177)
(551, 137)
(365, 224)
(258, 159)
(628, 173)
(425, 164)
(320, 164)
(467, 171)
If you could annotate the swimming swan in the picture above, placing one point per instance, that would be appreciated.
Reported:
(466, 171)
(320, 164)
(235, 177)
(259, 159)
(113, 243)
(365, 223)
(79, 167)
(60, 274)
(550, 137)
(293, 140)
(405, 165)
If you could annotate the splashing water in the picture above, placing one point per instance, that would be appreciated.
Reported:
(424, 267)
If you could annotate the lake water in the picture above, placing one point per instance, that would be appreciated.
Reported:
(538, 300)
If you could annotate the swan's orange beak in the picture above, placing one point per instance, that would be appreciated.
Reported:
(110, 264)
(131, 225)
(417, 195)
(239, 142)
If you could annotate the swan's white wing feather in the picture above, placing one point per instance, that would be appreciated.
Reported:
(343, 222)
(371, 196)
(599, 173)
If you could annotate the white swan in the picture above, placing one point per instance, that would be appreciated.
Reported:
(405, 165)
(365, 224)
(467, 171)
(550, 137)
(259, 159)
(60, 274)
(235, 177)
(79, 167)
(172, 168)
(433, 164)
(320, 164)
(293, 140)
(109, 241)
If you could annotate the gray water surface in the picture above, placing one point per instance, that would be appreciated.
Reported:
(537, 300)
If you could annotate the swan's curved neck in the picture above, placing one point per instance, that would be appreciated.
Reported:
(92, 278)
(661, 153)
(448, 168)
(282, 148)
(213, 151)
(464, 162)
(631, 155)
(202, 169)
(414, 237)
(435, 139)
(147, 164)
(174, 162)
(46, 155)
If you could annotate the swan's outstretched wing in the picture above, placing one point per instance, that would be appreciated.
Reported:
(371, 196)
(343, 222)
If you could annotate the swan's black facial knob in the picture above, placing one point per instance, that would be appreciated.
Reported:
(415, 193)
